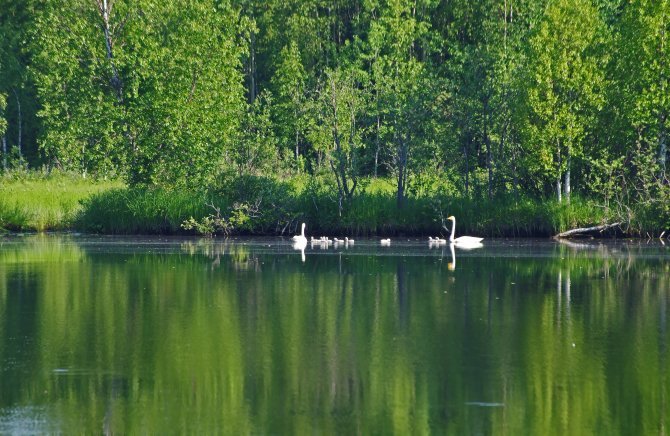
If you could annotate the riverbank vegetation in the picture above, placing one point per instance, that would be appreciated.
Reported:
(31, 201)
(269, 206)
(523, 117)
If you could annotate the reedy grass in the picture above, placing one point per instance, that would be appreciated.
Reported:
(140, 211)
(60, 202)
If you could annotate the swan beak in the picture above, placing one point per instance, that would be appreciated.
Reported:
(451, 217)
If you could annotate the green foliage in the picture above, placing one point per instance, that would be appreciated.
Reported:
(565, 85)
(255, 150)
(477, 100)
(156, 90)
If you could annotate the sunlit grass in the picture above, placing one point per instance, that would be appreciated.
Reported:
(37, 202)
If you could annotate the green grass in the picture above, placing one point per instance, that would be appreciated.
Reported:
(140, 211)
(39, 202)
(35, 202)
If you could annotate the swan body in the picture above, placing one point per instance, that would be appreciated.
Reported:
(301, 237)
(348, 241)
(338, 241)
(385, 241)
(462, 240)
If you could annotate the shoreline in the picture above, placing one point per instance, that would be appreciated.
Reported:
(270, 207)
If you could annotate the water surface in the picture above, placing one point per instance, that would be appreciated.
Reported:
(248, 336)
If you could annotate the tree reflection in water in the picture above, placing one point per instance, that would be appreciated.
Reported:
(243, 337)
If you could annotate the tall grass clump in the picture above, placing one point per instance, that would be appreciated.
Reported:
(511, 216)
(141, 210)
(37, 201)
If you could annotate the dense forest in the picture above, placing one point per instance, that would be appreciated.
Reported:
(475, 99)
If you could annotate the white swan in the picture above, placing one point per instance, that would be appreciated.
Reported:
(463, 240)
(385, 242)
(348, 241)
(301, 237)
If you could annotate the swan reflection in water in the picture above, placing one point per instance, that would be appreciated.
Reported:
(452, 265)
(300, 245)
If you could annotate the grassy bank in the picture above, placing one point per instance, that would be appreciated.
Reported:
(265, 206)
(40, 202)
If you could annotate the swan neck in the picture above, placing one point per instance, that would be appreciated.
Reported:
(453, 230)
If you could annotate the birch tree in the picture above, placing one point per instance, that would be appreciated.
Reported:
(565, 88)
(337, 131)
(152, 88)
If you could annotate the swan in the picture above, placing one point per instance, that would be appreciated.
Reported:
(348, 241)
(462, 240)
(338, 241)
(385, 241)
(301, 237)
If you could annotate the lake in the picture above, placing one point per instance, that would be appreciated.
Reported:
(249, 336)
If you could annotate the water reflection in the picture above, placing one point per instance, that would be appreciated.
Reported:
(210, 336)
(300, 246)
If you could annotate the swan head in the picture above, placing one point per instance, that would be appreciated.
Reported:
(451, 218)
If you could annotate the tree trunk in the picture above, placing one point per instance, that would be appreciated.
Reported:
(402, 172)
(252, 68)
(663, 114)
(19, 120)
(558, 170)
(582, 230)
(105, 10)
(566, 180)
(489, 159)
(401, 187)
(4, 152)
(377, 141)
(662, 143)
(467, 171)
(297, 139)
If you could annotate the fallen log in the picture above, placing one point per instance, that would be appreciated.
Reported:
(582, 230)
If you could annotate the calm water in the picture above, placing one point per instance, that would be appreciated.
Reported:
(245, 337)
